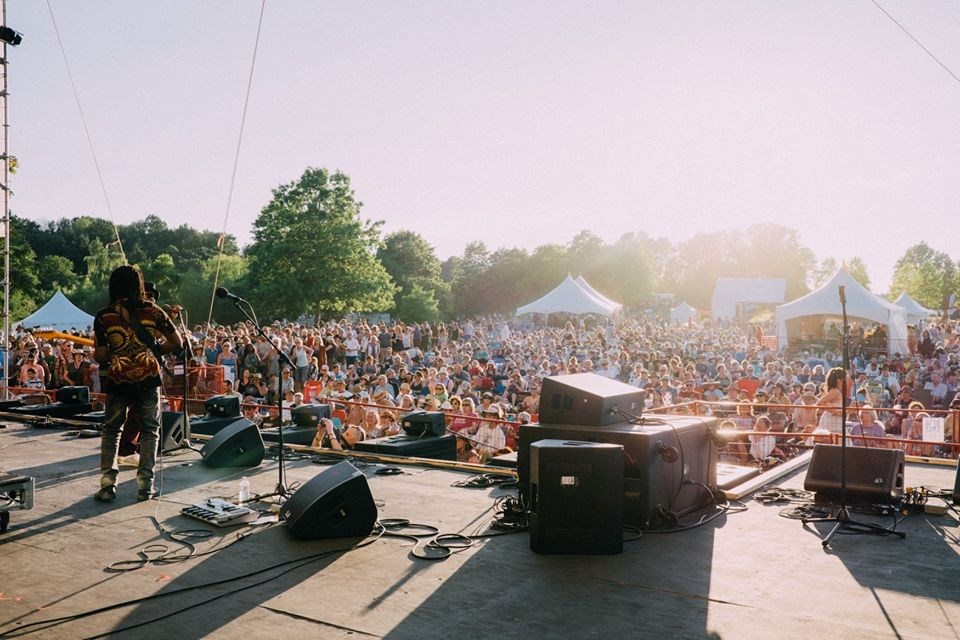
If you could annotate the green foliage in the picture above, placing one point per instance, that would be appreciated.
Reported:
(312, 253)
(417, 305)
(411, 262)
(929, 276)
(858, 269)
(761, 251)
(55, 273)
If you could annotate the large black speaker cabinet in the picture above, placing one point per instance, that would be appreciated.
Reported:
(576, 503)
(171, 430)
(667, 463)
(337, 503)
(424, 423)
(238, 445)
(872, 475)
(73, 395)
(309, 415)
(54, 409)
(209, 425)
(587, 399)
(222, 406)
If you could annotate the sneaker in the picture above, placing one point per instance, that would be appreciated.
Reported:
(149, 494)
(106, 494)
(132, 460)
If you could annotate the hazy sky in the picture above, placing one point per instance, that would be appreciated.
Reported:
(518, 123)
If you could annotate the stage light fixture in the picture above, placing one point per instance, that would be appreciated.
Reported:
(10, 36)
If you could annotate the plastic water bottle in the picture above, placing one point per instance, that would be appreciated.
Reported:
(243, 494)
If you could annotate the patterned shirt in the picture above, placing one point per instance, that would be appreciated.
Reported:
(130, 365)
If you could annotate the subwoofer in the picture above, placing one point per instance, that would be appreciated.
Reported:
(336, 503)
(872, 475)
(237, 445)
(576, 503)
(588, 399)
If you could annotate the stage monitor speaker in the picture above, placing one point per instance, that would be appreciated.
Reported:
(576, 497)
(588, 399)
(73, 395)
(223, 406)
(873, 475)
(336, 503)
(171, 430)
(237, 445)
(424, 423)
(309, 415)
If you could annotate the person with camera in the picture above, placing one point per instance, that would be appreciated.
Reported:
(327, 436)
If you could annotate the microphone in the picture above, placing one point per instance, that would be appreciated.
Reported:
(843, 294)
(223, 293)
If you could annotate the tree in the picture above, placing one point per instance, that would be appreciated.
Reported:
(858, 269)
(411, 261)
(929, 276)
(418, 304)
(312, 253)
(56, 273)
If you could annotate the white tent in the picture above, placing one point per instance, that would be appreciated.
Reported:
(59, 314)
(731, 294)
(683, 313)
(861, 304)
(915, 311)
(569, 297)
(596, 294)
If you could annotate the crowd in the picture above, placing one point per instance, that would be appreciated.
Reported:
(486, 373)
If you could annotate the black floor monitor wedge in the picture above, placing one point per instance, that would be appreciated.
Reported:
(336, 503)
(238, 445)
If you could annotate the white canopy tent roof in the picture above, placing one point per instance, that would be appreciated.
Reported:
(569, 297)
(915, 311)
(596, 294)
(683, 313)
(59, 314)
(730, 292)
(862, 304)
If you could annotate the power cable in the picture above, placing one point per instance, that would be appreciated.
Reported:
(236, 161)
(918, 43)
(86, 130)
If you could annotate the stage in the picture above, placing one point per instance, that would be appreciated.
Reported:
(752, 574)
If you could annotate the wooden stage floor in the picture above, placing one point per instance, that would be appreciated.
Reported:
(752, 574)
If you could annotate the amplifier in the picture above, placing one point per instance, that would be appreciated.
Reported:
(433, 447)
(668, 463)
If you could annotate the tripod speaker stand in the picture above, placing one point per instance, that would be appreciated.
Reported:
(842, 519)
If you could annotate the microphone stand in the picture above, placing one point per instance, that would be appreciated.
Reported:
(842, 520)
(184, 442)
(281, 486)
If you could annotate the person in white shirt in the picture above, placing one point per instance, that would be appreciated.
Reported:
(351, 348)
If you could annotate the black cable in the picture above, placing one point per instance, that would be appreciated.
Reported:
(28, 628)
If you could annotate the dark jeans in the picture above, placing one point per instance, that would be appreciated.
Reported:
(146, 404)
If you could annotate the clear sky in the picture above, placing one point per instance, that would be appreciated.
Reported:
(518, 123)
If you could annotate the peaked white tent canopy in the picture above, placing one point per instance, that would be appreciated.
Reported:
(683, 313)
(59, 314)
(861, 304)
(596, 294)
(731, 293)
(915, 311)
(569, 297)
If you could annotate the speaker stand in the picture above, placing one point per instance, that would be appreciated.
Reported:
(281, 489)
(842, 520)
(184, 410)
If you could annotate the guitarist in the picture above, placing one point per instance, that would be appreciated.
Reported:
(131, 335)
